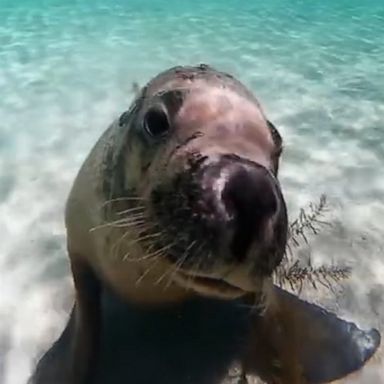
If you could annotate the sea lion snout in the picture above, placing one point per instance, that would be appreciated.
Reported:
(221, 215)
(250, 199)
(242, 199)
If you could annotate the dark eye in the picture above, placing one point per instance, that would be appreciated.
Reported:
(156, 122)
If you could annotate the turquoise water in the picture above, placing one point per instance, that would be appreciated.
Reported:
(66, 70)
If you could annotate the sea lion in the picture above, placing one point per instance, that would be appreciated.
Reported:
(180, 199)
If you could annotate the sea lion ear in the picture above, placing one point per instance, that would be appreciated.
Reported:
(278, 140)
(327, 348)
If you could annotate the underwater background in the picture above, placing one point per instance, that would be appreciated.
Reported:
(66, 71)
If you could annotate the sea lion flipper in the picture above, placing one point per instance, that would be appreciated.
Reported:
(54, 365)
(330, 347)
(327, 347)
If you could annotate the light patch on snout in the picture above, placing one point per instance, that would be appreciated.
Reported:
(218, 188)
(228, 123)
(211, 103)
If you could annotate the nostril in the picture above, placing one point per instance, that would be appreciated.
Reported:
(249, 197)
(248, 192)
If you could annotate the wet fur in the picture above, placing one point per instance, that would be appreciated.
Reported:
(110, 181)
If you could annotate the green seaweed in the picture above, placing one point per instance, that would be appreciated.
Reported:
(291, 271)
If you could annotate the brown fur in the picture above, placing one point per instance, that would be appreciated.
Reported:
(215, 103)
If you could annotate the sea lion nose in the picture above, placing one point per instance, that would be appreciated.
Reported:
(250, 199)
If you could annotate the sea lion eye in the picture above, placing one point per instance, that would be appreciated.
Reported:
(156, 122)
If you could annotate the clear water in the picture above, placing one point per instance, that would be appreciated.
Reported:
(66, 70)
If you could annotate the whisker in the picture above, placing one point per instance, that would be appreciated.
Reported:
(119, 241)
(154, 254)
(174, 268)
(140, 279)
(157, 252)
(199, 261)
(129, 210)
(133, 215)
(128, 198)
(158, 281)
(126, 256)
(130, 218)
(196, 267)
(139, 226)
(178, 264)
(128, 224)
(122, 223)
(149, 236)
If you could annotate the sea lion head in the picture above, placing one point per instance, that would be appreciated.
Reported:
(203, 160)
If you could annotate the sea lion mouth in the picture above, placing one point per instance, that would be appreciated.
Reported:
(208, 285)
